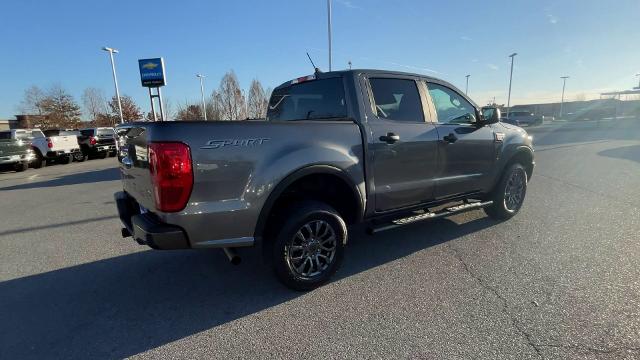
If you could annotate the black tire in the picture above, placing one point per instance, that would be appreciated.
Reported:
(508, 195)
(326, 223)
(39, 161)
(102, 155)
(66, 159)
(20, 167)
(112, 153)
(80, 156)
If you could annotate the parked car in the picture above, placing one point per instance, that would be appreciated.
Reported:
(97, 142)
(14, 153)
(382, 148)
(522, 118)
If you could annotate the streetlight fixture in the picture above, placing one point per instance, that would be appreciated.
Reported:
(510, 79)
(112, 51)
(564, 83)
(204, 104)
(466, 91)
(329, 29)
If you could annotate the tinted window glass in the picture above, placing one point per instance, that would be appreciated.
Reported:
(451, 107)
(49, 133)
(397, 99)
(86, 132)
(314, 99)
(106, 132)
(5, 135)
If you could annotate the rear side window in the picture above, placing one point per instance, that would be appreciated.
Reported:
(397, 99)
(53, 132)
(314, 99)
(86, 132)
(106, 132)
(5, 135)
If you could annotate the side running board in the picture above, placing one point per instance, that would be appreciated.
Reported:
(428, 215)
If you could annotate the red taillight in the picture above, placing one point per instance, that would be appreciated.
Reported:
(171, 175)
(92, 140)
(49, 143)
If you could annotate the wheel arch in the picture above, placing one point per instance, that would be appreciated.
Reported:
(353, 211)
(524, 156)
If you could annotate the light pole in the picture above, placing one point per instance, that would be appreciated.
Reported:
(111, 51)
(204, 104)
(564, 83)
(329, 29)
(638, 75)
(510, 79)
(466, 91)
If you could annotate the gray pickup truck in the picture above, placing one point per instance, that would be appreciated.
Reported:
(361, 146)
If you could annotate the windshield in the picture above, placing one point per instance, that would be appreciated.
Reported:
(5, 135)
(315, 99)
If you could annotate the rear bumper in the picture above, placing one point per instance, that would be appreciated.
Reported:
(61, 153)
(15, 159)
(102, 148)
(145, 228)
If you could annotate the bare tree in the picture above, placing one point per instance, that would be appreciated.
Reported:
(257, 101)
(231, 98)
(32, 102)
(130, 110)
(189, 112)
(60, 109)
(95, 103)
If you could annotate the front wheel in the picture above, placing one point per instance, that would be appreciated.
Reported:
(22, 166)
(79, 156)
(309, 248)
(509, 194)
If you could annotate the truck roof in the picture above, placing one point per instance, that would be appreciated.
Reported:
(325, 75)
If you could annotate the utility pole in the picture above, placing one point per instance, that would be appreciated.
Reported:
(111, 51)
(204, 104)
(564, 83)
(638, 75)
(510, 79)
(466, 91)
(349, 64)
(329, 29)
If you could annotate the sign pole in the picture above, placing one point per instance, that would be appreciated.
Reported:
(162, 114)
(153, 110)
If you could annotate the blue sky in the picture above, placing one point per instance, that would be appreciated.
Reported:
(49, 42)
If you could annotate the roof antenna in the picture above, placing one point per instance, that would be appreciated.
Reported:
(315, 69)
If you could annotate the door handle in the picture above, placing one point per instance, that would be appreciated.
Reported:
(390, 138)
(451, 138)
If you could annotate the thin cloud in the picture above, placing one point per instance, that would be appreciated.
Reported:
(348, 4)
(493, 66)
(465, 38)
(552, 19)
(474, 60)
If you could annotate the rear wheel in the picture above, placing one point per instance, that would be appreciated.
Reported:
(102, 155)
(80, 156)
(19, 167)
(66, 159)
(112, 153)
(509, 194)
(309, 248)
(39, 161)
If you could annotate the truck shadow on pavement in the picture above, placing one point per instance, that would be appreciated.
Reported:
(95, 176)
(631, 153)
(122, 306)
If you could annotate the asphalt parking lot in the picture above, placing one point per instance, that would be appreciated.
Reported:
(558, 281)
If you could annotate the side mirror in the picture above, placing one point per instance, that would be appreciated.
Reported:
(490, 114)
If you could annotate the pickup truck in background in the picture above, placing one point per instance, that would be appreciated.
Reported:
(15, 153)
(50, 145)
(520, 117)
(383, 148)
(97, 142)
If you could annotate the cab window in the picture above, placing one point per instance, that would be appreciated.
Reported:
(451, 107)
(396, 99)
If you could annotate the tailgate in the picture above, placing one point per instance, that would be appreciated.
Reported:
(134, 164)
(64, 142)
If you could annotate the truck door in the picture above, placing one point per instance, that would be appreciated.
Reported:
(403, 142)
(466, 150)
